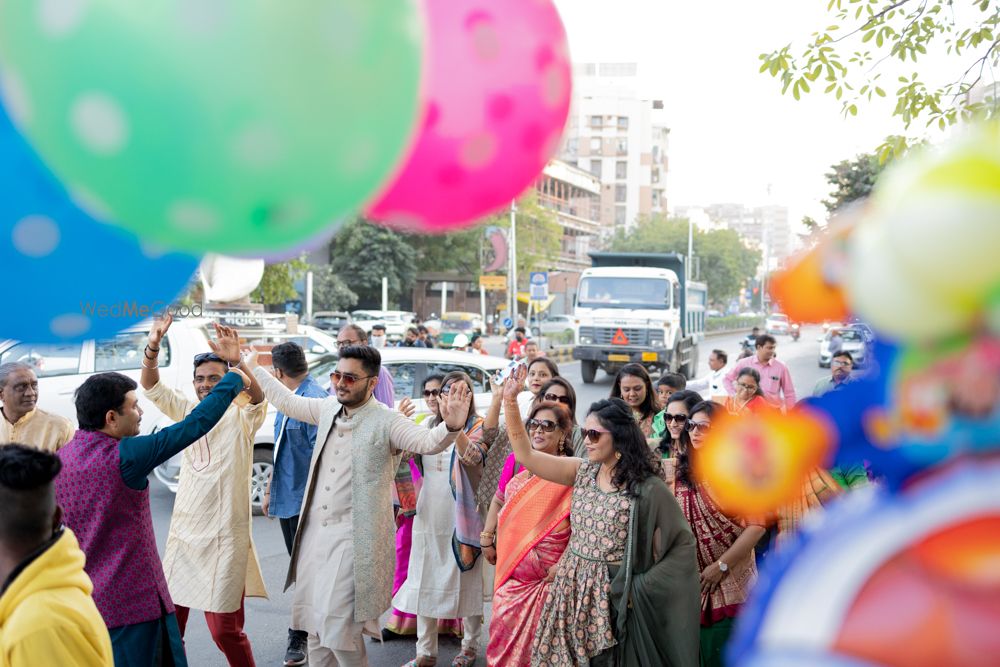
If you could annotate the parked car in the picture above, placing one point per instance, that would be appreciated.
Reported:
(853, 342)
(331, 320)
(777, 324)
(396, 321)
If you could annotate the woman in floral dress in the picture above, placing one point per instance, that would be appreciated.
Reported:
(626, 589)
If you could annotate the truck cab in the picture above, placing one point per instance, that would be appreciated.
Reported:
(638, 308)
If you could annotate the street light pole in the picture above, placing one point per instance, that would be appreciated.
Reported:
(512, 271)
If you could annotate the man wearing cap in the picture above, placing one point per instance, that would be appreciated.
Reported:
(210, 561)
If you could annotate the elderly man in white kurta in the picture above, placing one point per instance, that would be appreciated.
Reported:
(344, 552)
(210, 562)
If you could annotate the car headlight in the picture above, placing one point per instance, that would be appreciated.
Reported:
(656, 342)
(586, 340)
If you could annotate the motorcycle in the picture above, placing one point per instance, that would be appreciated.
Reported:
(795, 331)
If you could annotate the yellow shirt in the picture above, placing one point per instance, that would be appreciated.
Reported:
(37, 429)
(210, 560)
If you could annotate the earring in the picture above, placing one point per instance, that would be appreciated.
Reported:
(618, 455)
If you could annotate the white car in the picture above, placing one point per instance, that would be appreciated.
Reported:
(852, 340)
(777, 324)
(396, 322)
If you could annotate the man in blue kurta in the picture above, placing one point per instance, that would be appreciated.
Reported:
(293, 447)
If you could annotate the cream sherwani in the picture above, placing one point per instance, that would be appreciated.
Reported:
(344, 554)
(210, 560)
(37, 429)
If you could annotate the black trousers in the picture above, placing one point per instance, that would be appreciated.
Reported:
(288, 528)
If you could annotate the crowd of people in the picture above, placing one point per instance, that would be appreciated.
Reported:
(595, 542)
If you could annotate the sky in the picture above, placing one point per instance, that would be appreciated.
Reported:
(732, 132)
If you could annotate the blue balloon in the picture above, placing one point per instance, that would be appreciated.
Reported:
(71, 277)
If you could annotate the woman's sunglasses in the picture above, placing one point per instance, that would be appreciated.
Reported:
(593, 434)
(347, 379)
(677, 419)
(556, 399)
(547, 425)
(701, 427)
(431, 392)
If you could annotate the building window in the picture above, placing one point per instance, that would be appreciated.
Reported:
(622, 122)
(620, 215)
(595, 168)
(571, 146)
(597, 121)
(621, 170)
(622, 146)
(656, 153)
(595, 145)
(621, 193)
(654, 175)
(656, 199)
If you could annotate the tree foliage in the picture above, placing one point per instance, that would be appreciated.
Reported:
(457, 251)
(278, 283)
(849, 57)
(362, 253)
(725, 263)
(852, 180)
(330, 292)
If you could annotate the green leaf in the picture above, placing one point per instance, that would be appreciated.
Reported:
(879, 92)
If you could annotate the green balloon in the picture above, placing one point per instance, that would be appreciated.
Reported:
(215, 125)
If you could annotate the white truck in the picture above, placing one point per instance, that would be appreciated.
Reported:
(638, 308)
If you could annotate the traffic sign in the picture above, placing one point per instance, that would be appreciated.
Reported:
(507, 323)
(493, 283)
(619, 338)
(539, 285)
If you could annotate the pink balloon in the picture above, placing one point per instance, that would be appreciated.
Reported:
(497, 98)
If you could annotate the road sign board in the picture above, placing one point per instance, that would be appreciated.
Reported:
(507, 323)
(539, 285)
(494, 283)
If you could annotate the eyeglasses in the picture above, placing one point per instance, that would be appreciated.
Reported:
(556, 399)
(700, 427)
(594, 434)
(677, 419)
(341, 344)
(444, 391)
(348, 379)
(547, 425)
(748, 387)
(431, 392)
(840, 363)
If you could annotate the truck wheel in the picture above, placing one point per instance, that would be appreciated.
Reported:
(588, 369)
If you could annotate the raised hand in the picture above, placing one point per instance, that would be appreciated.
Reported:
(251, 360)
(455, 409)
(160, 326)
(227, 344)
(407, 407)
(514, 384)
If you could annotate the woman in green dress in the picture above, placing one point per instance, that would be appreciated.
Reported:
(626, 589)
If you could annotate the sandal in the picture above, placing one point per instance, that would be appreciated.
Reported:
(422, 661)
(466, 658)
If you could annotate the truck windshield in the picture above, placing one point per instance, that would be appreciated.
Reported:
(614, 292)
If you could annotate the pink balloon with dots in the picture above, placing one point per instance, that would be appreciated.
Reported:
(497, 95)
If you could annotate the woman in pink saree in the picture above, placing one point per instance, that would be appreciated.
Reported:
(532, 533)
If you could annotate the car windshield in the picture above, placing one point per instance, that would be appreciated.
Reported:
(779, 318)
(616, 292)
(327, 320)
(848, 334)
(457, 325)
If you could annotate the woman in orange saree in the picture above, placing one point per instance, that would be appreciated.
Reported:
(532, 534)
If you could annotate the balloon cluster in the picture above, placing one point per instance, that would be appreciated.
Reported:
(888, 577)
(254, 130)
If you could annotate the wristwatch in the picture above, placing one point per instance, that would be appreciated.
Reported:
(723, 567)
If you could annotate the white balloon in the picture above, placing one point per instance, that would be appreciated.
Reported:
(227, 279)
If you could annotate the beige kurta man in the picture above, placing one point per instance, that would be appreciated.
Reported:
(344, 554)
(37, 429)
(210, 560)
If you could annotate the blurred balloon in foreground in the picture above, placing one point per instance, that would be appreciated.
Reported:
(216, 126)
(304, 248)
(497, 99)
(905, 581)
(756, 464)
(72, 277)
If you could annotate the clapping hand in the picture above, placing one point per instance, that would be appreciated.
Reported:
(455, 409)
(227, 344)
